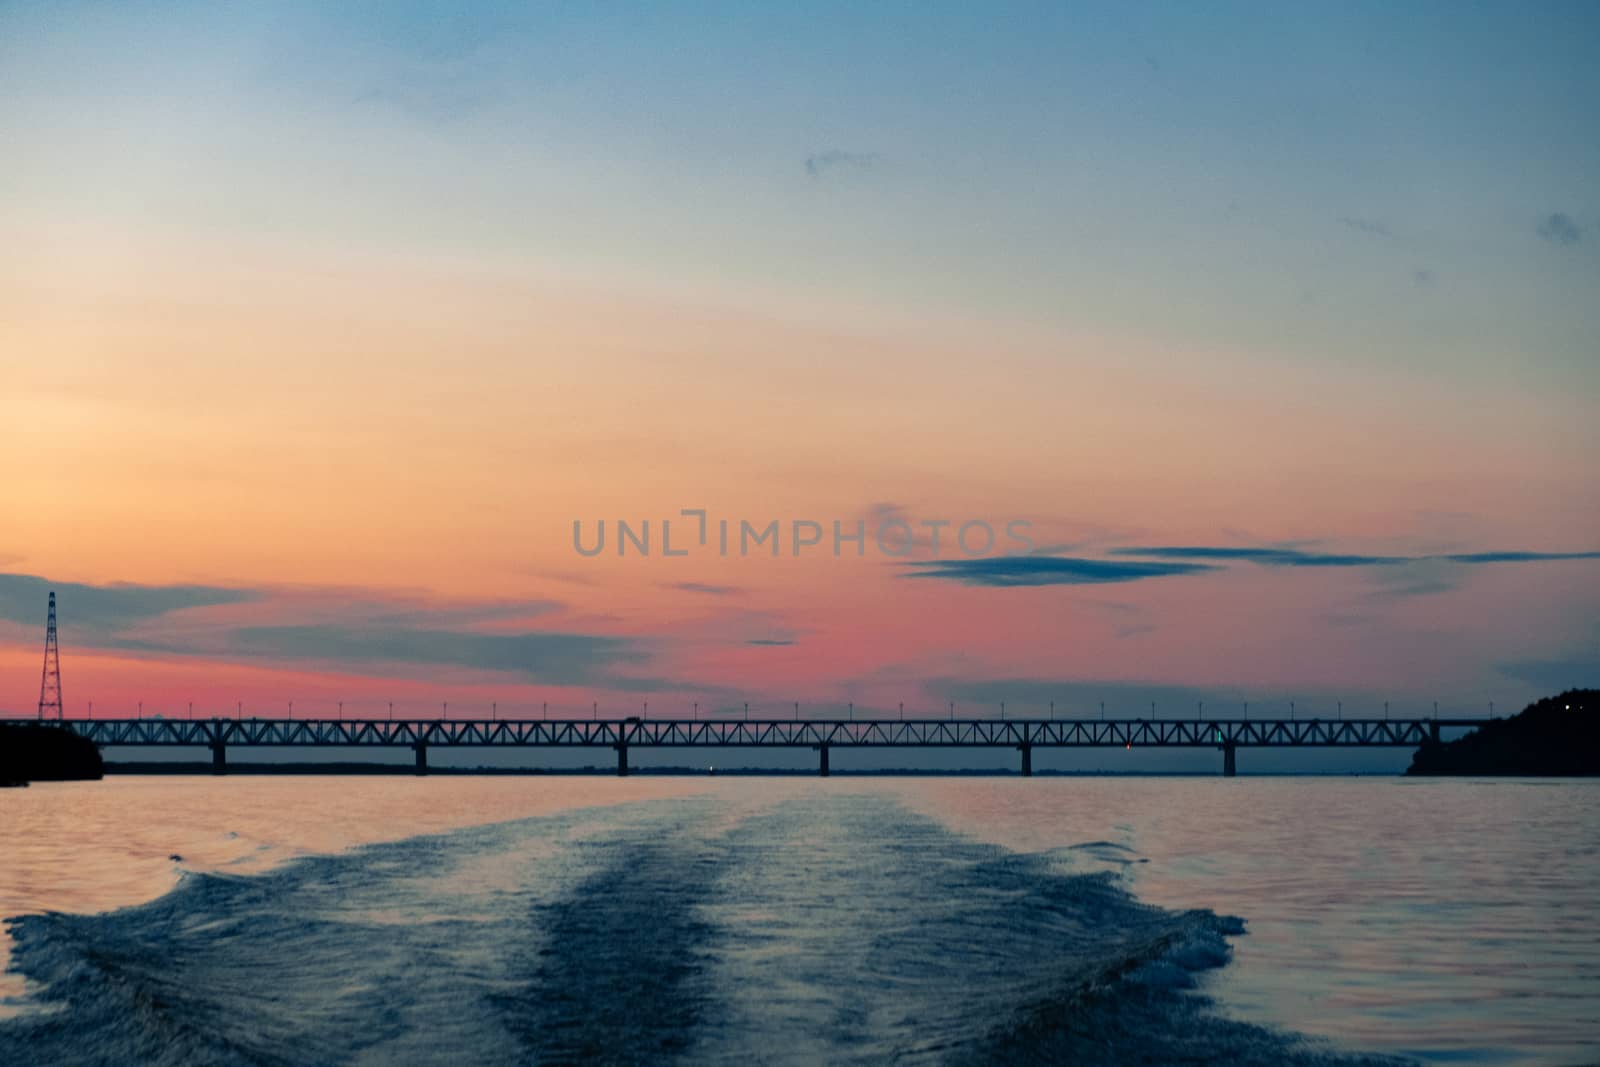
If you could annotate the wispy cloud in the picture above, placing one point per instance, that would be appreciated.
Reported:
(1011, 571)
(1122, 698)
(1127, 620)
(822, 163)
(1370, 227)
(357, 630)
(1418, 577)
(1409, 575)
(896, 525)
(23, 599)
(546, 657)
(1395, 575)
(1576, 671)
(551, 657)
(770, 642)
(1558, 228)
(706, 588)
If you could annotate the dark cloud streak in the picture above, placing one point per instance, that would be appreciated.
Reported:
(1013, 571)
(350, 628)
(1271, 557)
(1294, 557)
(23, 599)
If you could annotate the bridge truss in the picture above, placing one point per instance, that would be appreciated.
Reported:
(1022, 735)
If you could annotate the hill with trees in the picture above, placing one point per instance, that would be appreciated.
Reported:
(1558, 735)
(43, 752)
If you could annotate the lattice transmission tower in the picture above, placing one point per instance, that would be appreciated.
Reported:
(50, 683)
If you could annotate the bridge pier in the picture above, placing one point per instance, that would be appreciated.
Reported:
(822, 765)
(622, 760)
(421, 748)
(1230, 766)
(1027, 760)
(219, 757)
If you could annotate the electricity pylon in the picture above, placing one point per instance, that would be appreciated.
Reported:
(50, 683)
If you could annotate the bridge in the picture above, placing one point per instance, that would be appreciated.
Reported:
(821, 735)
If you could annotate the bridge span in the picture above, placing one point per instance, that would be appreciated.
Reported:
(822, 735)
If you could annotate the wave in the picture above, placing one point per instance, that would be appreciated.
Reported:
(826, 929)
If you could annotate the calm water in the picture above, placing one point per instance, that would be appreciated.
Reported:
(501, 920)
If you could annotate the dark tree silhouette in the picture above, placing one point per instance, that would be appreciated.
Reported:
(1558, 735)
(39, 752)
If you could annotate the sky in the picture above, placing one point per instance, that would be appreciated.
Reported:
(1272, 325)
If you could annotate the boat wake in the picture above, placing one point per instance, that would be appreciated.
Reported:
(833, 929)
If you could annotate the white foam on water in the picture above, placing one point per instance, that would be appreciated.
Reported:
(825, 928)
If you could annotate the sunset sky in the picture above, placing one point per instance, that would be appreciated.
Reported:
(321, 324)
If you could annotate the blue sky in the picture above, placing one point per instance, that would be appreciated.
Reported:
(368, 302)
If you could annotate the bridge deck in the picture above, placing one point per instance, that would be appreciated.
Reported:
(794, 733)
